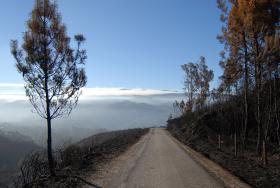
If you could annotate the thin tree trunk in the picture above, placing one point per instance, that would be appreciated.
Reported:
(257, 114)
(235, 144)
(267, 130)
(258, 78)
(49, 127)
(219, 140)
(260, 130)
(191, 95)
(246, 86)
(275, 106)
(235, 133)
(50, 156)
(264, 157)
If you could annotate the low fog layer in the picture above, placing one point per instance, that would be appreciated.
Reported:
(94, 113)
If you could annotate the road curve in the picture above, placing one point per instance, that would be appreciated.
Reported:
(156, 161)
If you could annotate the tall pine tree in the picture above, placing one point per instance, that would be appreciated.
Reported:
(52, 70)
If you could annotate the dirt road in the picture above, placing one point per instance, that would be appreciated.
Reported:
(156, 161)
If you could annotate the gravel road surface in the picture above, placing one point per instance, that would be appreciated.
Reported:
(156, 161)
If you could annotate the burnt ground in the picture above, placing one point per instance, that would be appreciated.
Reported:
(75, 162)
(245, 165)
(102, 148)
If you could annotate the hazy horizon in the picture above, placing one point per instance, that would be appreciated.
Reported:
(99, 109)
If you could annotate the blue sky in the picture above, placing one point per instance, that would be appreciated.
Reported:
(130, 43)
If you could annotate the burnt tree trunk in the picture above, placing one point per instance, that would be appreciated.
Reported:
(258, 81)
(264, 155)
(219, 141)
(275, 105)
(235, 144)
(246, 86)
(49, 129)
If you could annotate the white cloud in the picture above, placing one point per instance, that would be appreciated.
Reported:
(103, 92)
(12, 97)
(15, 92)
(11, 85)
(12, 92)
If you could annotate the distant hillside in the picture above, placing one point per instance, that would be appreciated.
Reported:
(110, 113)
(13, 147)
(62, 135)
